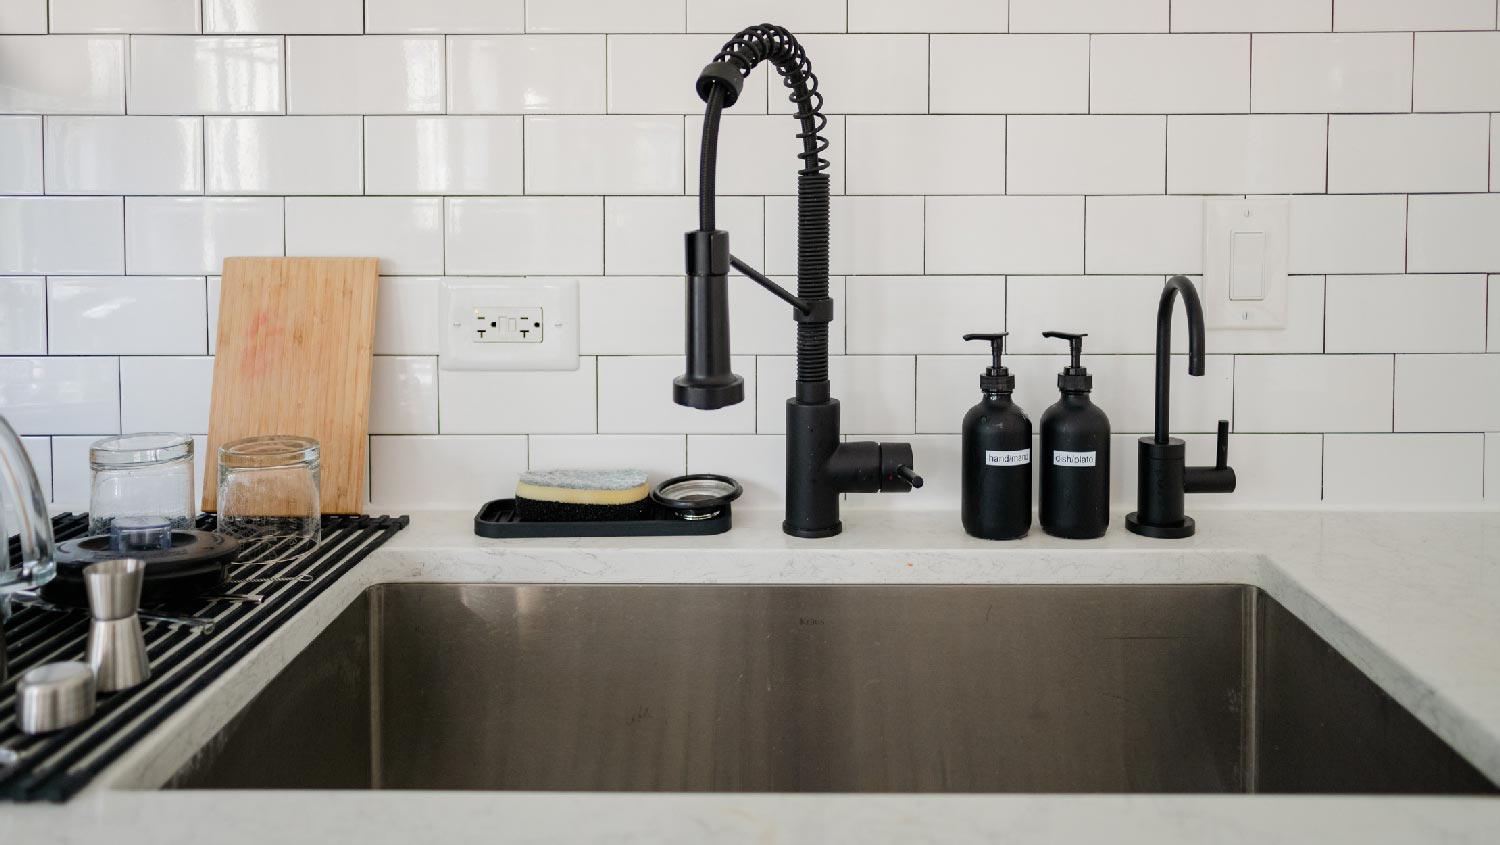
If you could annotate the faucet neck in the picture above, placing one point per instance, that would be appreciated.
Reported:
(1190, 303)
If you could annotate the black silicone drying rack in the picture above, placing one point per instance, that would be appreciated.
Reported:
(497, 520)
(56, 766)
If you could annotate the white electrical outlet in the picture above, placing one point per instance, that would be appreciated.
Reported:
(1244, 264)
(508, 324)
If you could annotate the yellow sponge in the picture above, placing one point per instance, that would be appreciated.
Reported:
(568, 495)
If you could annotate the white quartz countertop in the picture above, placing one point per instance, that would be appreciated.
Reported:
(1412, 599)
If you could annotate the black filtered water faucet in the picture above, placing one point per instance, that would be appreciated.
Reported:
(819, 468)
(1164, 475)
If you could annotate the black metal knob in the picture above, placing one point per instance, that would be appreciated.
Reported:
(910, 477)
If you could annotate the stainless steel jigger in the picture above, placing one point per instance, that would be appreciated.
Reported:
(117, 649)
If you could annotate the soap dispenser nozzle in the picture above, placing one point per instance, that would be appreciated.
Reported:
(997, 347)
(1075, 345)
(1074, 378)
(996, 378)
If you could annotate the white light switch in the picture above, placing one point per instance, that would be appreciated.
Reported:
(1244, 256)
(1247, 266)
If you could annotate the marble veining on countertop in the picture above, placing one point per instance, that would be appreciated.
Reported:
(1412, 599)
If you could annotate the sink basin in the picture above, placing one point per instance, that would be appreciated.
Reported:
(1204, 688)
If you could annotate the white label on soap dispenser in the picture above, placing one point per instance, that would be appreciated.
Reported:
(1017, 458)
(1074, 459)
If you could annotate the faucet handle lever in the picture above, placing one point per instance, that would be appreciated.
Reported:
(909, 476)
(1222, 459)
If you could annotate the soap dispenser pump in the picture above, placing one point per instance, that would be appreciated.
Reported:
(996, 455)
(1075, 454)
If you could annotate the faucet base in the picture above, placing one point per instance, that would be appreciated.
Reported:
(812, 533)
(1183, 529)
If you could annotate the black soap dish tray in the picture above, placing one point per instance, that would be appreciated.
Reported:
(686, 506)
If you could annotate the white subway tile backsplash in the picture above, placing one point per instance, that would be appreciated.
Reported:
(215, 290)
(23, 316)
(661, 456)
(1447, 393)
(1119, 312)
(644, 155)
(1495, 153)
(1374, 470)
(1247, 154)
(1157, 234)
(929, 16)
(866, 235)
(1386, 15)
(124, 155)
(119, 16)
(947, 154)
(1454, 233)
(183, 235)
(756, 461)
(406, 316)
(181, 74)
(654, 74)
(908, 315)
(62, 74)
(1143, 74)
(21, 166)
(876, 393)
(283, 16)
(635, 397)
(443, 155)
(444, 471)
(397, 74)
(282, 156)
(70, 476)
(798, 16)
(756, 154)
(406, 234)
(1494, 318)
(1009, 147)
(1347, 234)
(1259, 16)
(1009, 74)
(631, 315)
(1086, 154)
(39, 452)
(443, 16)
(1406, 313)
(525, 74)
(1296, 393)
(606, 16)
(1296, 72)
(853, 84)
(1492, 467)
(520, 236)
(1089, 15)
(1403, 153)
(62, 395)
(62, 235)
(127, 315)
(1004, 234)
(404, 395)
(165, 393)
(643, 235)
(23, 17)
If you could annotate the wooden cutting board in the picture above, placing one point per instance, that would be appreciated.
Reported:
(294, 355)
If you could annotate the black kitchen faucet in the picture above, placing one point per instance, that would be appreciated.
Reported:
(819, 468)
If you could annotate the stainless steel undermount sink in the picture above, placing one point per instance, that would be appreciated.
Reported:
(825, 689)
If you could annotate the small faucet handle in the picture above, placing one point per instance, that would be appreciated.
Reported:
(1222, 459)
(909, 476)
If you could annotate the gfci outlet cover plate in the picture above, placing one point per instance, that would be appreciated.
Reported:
(508, 324)
(1244, 264)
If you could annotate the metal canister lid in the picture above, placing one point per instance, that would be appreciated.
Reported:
(54, 696)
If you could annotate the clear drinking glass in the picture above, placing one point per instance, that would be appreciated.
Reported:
(268, 488)
(147, 475)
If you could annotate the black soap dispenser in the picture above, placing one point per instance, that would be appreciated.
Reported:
(1075, 454)
(996, 455)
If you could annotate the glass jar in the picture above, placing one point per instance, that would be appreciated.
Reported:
(268, 488)
(147, 475)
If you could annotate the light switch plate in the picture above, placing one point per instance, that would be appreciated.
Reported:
(1244, 264)
(508, 324)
